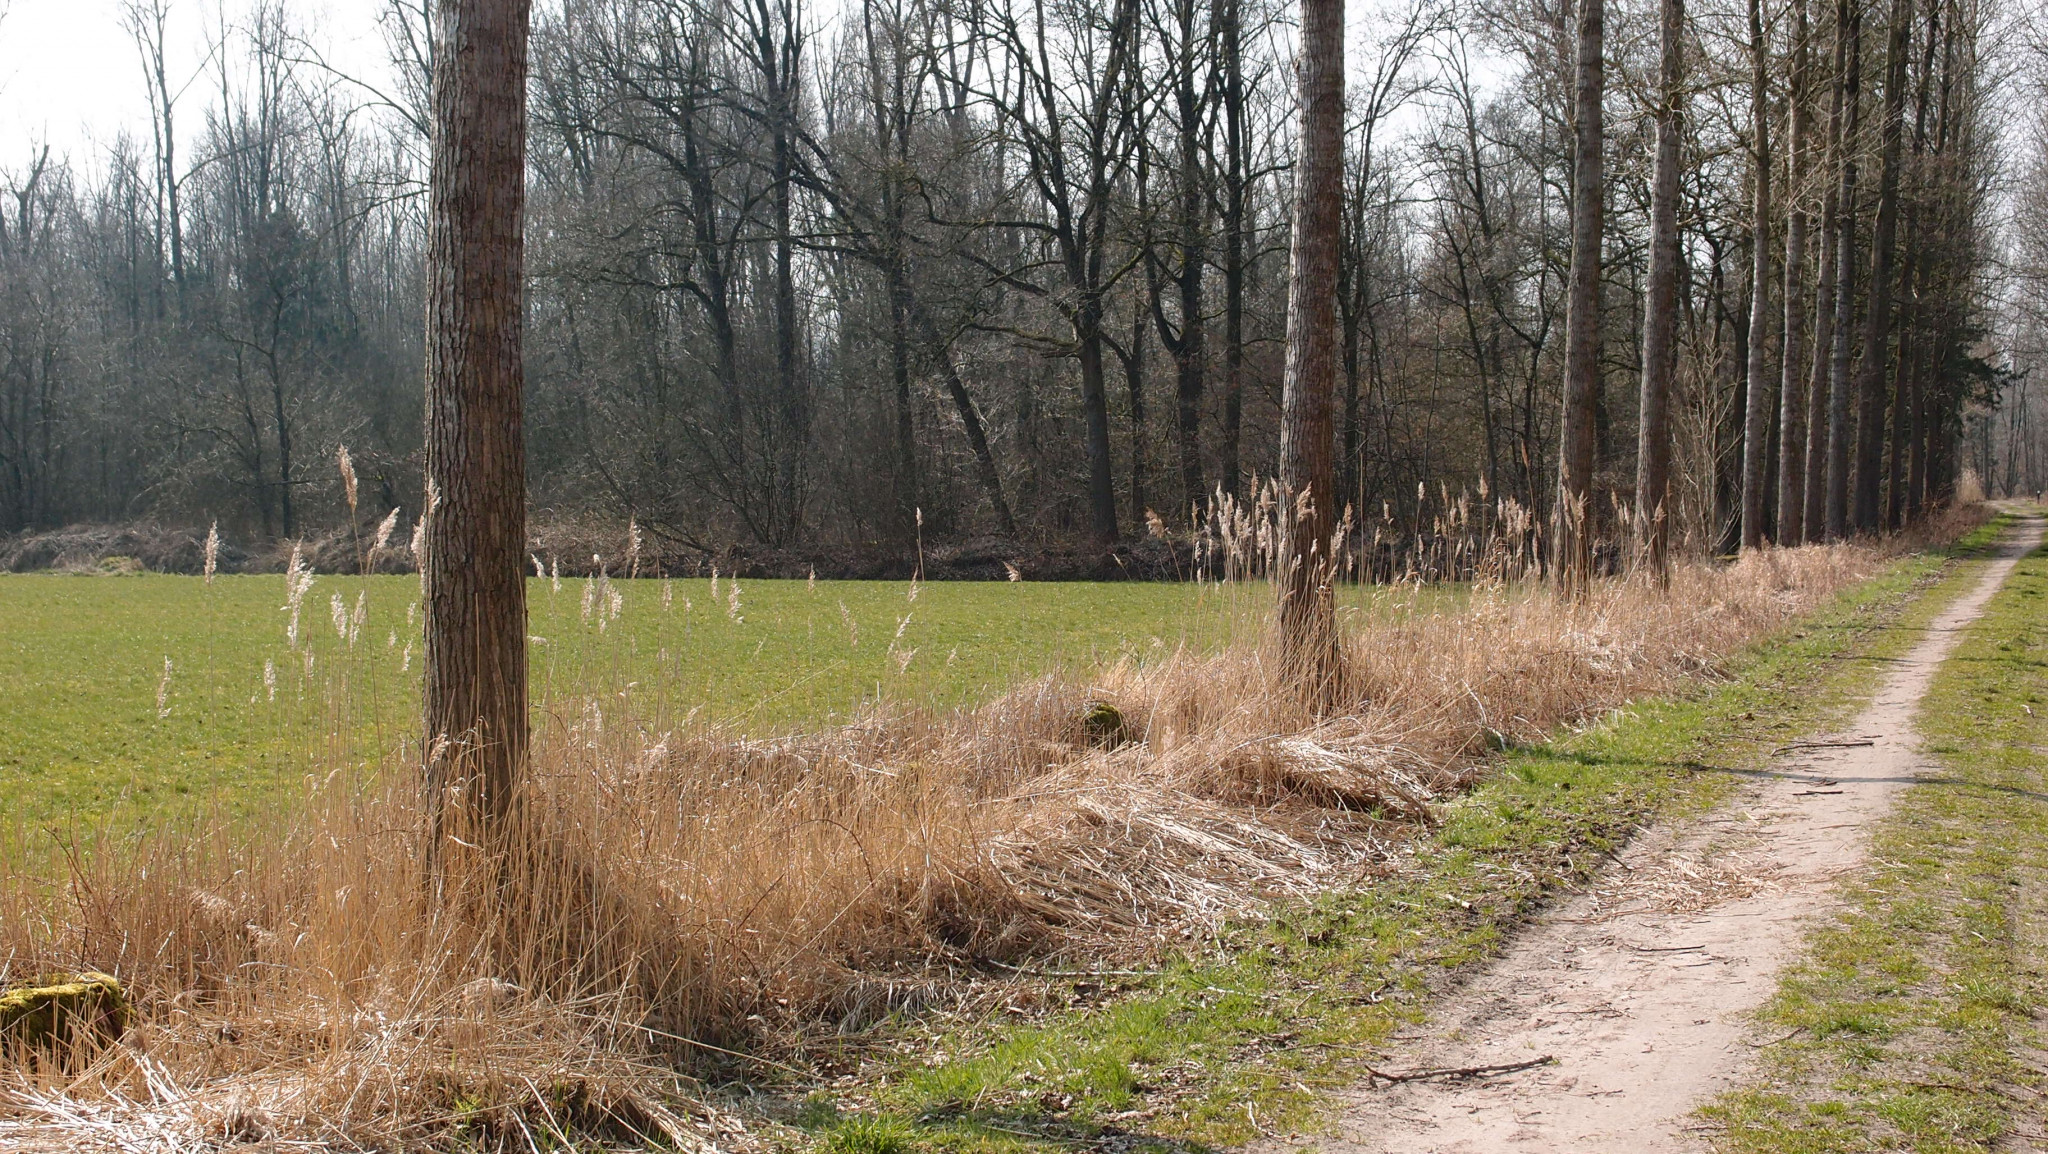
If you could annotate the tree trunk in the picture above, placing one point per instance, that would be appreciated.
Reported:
(1849, 22)
(1191, 355)
(1877, 319)
(1917, 310)
(1230, 37)
(1572, 516)
(1660, 305)
(1134, 390)
(1308, 623)
(907, 484)
(1792, 382)
(475, 592)
(1902, 394)
(1095, 404)
(1824, 310)
(941, 351)
(1758, 410)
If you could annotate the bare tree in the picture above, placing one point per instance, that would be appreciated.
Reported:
(145, 20)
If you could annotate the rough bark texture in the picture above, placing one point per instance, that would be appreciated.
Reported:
(1849, 22)
(1792, 384)
(1877, 319)
(1660, 311)
(1236, 207)
(1824, 312)
(475, 591)
(1757, 398)
(1308, 626)
(1571, 519)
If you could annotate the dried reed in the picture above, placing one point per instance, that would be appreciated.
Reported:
(687, 894)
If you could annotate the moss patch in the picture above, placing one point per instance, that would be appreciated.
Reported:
(52, 1015)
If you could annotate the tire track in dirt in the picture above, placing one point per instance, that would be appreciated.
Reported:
(1640, 986)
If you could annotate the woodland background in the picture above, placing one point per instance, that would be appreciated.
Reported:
(979, 269)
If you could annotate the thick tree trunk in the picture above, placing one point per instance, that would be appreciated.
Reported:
(1824, 312)
(1095, 405)
(475, 592)
(1660, 306)
(1572, 529)
(1877, 319)
(1792, 381)
(1230, 46)
(1308, 624)
(1915, 326)
(1191, 354)
(1758, 400)
(1849, 22)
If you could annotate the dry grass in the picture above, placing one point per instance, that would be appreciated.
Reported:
(691, 894)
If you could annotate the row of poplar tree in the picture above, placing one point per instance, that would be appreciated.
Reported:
(1019, 267)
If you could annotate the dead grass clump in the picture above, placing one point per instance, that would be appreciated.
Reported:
(691, 896)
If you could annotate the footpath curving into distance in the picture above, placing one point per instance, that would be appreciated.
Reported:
(1639, 988)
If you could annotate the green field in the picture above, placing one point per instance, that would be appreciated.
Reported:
(82, 661)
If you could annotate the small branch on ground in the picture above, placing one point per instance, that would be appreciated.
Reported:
(1030, 972)
(1454, 1073)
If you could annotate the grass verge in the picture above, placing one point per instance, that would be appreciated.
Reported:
(1244, 1035)
(1911, 1021)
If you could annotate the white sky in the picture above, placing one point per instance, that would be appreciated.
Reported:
(70, 75)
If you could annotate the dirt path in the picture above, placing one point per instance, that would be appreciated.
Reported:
(1639, 987)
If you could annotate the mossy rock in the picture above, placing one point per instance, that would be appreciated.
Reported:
(88, 1005)
(1104, 725)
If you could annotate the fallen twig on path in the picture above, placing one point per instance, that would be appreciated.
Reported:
(1455, 1072)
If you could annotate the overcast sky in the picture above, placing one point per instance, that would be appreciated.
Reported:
(70, 75)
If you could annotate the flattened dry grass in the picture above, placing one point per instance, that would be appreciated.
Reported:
(692, 894)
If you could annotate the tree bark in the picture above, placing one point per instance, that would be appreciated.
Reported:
(1903, 503)
(1190, 352)
(1757, 399)
(1877, 319)
(475, 592)
(1230, 46)
(1308, 623)
(1571, 530)
(1660, 306)
(1095, 405)
(1824, 309)
(1792, 386)
(1849, 22)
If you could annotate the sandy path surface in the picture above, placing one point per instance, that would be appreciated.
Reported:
(1639, 986)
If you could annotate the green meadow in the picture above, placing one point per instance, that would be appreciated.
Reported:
(94, 719)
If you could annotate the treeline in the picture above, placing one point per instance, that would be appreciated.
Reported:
(1015, 268)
